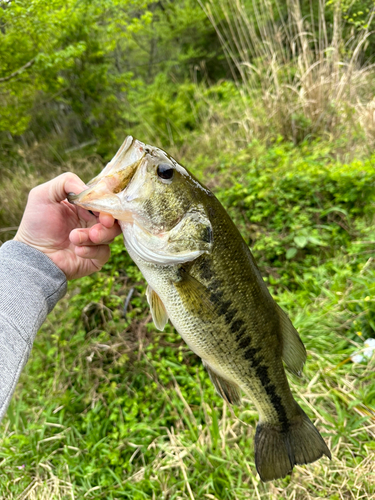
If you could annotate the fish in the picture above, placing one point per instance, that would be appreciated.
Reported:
(202, 277)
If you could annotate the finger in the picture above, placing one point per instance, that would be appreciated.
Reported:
(106, 219)
(80, 237)
(100, 234)
(87, 219)
(99, 253)
(87, 216)
(64, 184)
(96, 235)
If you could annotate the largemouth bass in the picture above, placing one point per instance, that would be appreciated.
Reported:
(203, 278)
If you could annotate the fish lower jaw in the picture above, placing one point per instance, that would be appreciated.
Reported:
(124, 218)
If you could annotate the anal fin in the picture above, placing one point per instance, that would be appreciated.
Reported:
(158, 311)
(229, 391)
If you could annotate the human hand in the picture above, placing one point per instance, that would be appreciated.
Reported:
(74, 239)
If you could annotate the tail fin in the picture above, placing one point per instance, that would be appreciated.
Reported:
(278, 450)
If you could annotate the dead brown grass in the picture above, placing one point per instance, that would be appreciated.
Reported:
(34, 168)
(295, 77)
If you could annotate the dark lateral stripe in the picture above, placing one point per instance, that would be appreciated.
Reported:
(250, 353)
(214, 286)
(261, 371)
(216, 297)
(238, 328)
(244, 342)
(279, 407)
(237, 325)
(262, 374)
(229, 315)
(242, 333)
(224, 307)
(205, 270)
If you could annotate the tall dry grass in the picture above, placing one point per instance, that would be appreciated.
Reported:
(298, 76)
(34, 168)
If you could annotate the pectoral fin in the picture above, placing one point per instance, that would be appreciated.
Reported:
(229, 391)
(293, 350)
(159, 314)
(195, 296)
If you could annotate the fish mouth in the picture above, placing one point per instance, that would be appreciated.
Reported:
(102, 192)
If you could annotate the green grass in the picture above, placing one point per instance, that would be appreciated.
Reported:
(107, 407)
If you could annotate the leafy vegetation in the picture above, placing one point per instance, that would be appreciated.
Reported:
(107, 406)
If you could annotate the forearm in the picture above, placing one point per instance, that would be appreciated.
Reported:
(30, 286)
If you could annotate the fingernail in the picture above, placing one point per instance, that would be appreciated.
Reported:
(82, 236)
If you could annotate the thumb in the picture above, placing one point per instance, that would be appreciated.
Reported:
(59, 187)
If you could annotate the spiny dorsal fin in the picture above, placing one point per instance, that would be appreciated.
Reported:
(293, 350)
(229, 391)
(159, 314)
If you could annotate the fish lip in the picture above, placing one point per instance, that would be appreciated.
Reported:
(72, 198)
(102, 192)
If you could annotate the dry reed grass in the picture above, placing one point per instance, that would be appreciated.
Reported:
(46, 485)
(48, 488)
(16, 182)
(297, 76)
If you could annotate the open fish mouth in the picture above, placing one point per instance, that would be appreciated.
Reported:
(102, 192)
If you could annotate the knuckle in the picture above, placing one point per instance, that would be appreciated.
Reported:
(34, 191)
(96, 235)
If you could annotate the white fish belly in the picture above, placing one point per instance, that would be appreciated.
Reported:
(188, 326)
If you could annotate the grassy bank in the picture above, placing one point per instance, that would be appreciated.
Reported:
(108, 407)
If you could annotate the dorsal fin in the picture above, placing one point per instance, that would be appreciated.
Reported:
(158, 311)
(293, 350)
(229, 391)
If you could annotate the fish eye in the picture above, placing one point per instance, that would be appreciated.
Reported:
(165, 171)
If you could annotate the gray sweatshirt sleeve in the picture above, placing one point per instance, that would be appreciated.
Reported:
(30, 286)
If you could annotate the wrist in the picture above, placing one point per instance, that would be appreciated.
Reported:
(19, 237)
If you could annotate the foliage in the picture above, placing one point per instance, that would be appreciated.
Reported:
(75, 76)
(71, 49)
(90, 72)
(297, 207)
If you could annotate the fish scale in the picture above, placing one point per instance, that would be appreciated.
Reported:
(203, 278)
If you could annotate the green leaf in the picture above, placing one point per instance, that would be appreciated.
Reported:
(300, 241)
(316, 241)
(291, 252)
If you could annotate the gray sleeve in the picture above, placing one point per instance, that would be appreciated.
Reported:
(30, 286)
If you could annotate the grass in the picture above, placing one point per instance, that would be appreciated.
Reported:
(301, 73)
(27, 169)
(174, 438)
(107, 407)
